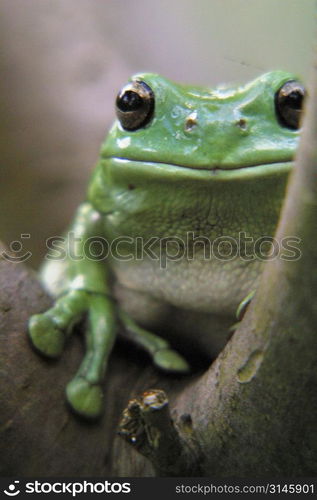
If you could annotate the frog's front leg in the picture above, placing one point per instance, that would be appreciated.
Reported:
(82, 289)
(49, 330)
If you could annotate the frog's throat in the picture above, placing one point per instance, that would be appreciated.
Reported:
(215, 172)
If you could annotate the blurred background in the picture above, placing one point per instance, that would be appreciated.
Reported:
(62, 63)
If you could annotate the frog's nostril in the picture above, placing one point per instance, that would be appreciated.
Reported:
(191, 121)
(242, 123)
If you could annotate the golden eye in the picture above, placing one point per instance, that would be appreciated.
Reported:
(135, 105)
(289, 104)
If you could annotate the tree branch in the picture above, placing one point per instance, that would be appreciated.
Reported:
(147, 425)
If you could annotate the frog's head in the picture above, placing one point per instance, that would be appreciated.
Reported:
(229, 128)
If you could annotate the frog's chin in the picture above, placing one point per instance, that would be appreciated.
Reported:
(160, 169)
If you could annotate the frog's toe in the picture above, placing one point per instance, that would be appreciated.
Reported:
(170, 360)
(85, 398)
(46, 336)
(244, 304)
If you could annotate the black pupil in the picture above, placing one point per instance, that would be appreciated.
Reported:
(129, 101)
(294, 99)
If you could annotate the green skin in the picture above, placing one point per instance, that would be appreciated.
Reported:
(211, 162)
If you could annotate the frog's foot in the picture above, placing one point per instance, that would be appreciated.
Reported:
(46, 336)
(84, 393)
(169, 360)
(243, 306)
(85, 398)
(49, 330)
(159, 349)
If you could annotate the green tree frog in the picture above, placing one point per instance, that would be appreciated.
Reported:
(181, 169)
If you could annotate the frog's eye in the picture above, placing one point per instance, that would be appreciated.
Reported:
(135, 105)
(289, 104)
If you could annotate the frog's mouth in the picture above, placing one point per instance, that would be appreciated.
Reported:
(207, 172)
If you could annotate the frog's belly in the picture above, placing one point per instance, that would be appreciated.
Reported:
(193, 303)
(206, 286)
